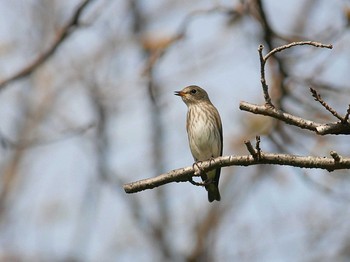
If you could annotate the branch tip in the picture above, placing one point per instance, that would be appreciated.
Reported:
(314, 94)
(260, 48)
(319, 99)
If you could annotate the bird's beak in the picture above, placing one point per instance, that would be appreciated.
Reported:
(179, 93)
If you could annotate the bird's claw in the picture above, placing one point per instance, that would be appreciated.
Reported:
(204, 183)
(197, 169)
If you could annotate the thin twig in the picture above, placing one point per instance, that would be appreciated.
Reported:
(284, 47)
(257, 146)
(319, 99)
(251, 149)
(268, 36)
(263, 60)
(264, 85)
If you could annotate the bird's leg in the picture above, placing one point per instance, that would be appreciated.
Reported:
(199, 172)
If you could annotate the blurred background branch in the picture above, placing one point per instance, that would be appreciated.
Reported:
(60, 36)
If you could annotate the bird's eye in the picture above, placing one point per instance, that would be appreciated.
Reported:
(193, 91)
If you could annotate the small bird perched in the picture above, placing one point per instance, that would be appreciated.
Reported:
(204, 130)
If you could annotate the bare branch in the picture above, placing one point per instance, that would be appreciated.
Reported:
(262, 77)
(279, 114)
(263, 60)
(257, 146)
(284, 47)
(185, 174)
(59, 39)
(336, 128)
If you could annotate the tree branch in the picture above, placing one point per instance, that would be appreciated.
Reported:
(262, 77)
(184, 174)
(284, 47)
(263, 60)
(336, 128)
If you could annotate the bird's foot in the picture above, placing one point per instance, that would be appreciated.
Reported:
(204, 183)
(211, 159)
(197, 169)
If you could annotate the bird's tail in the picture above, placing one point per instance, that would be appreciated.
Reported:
(213, 188)
(213, 192)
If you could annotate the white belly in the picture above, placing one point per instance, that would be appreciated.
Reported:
(205, 141)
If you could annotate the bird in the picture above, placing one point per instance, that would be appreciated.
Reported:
(204, 131)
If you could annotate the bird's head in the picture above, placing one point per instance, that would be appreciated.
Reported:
(193, 95)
